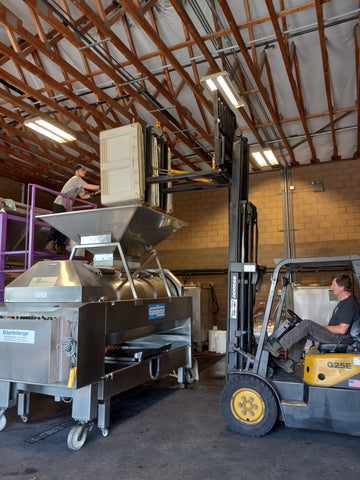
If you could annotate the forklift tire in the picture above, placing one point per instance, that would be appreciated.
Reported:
(249, 405)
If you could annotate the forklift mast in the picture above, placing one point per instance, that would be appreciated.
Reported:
(231, 169)
(244, 275)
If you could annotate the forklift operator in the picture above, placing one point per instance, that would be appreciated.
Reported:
(340, 322)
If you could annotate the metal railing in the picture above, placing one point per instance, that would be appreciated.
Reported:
(29, 253)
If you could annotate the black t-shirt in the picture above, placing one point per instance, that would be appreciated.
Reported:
(345, 312)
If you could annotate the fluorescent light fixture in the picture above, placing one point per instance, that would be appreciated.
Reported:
(211, 85)
(271, 157)
(49, 130)
(260, 159)
(228, 92)
(221, 81)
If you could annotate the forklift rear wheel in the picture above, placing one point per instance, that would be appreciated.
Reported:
(249, 405)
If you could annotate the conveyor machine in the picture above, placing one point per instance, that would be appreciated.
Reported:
(88, 332)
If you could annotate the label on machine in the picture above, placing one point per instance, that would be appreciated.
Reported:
(43, 282)
(156, 311)
(233, 308)
(234, 296)
(10, 335)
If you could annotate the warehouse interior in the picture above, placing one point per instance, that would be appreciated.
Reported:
(94, 69)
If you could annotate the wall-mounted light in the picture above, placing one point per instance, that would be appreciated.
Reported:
(264, 162)
(49, 130)
(221, 81)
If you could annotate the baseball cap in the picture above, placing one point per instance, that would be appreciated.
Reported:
(77, 167)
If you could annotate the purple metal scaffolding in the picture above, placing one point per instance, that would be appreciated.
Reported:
(29, 253)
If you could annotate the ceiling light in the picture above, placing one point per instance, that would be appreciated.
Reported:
(228, 92)
(221, 81)
(260, 159)
(271, 157)
(264, 162)
(49, 130)
(211, 85)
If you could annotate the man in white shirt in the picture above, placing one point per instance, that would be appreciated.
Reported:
(75, 187)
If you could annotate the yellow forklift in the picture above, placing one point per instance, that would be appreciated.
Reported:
(255, 395)
(323, 394)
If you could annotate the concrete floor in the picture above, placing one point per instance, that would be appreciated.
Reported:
(161, 431)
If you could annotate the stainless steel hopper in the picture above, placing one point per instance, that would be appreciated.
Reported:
(135, 227)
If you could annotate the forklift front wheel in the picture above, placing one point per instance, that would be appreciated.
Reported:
(249, 405)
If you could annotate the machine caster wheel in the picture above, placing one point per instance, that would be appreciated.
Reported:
(77, 437)
(190, 374)
(105, 432)
(24, 418)
(2, 422)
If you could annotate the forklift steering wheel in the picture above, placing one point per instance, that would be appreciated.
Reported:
(295, 316)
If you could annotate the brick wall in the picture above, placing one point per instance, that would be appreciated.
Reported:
(203, 244)
(13, 190)
(17, 192)
(326, 223)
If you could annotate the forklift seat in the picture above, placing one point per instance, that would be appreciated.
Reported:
(347, 344)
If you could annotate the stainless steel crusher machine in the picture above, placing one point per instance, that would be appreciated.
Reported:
(87, 332)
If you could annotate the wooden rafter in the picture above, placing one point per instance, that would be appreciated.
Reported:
(272, 87)
(166, 73)
(255, 74)
(215, 68)
(308, 117)
(251, 33)
(287, 65)
(326, 69)
(227, 31)
(146, 103)
(145, 25)
(127, 52)
(295, 62)
(86, 66)
(284, 27)
(357, 69)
